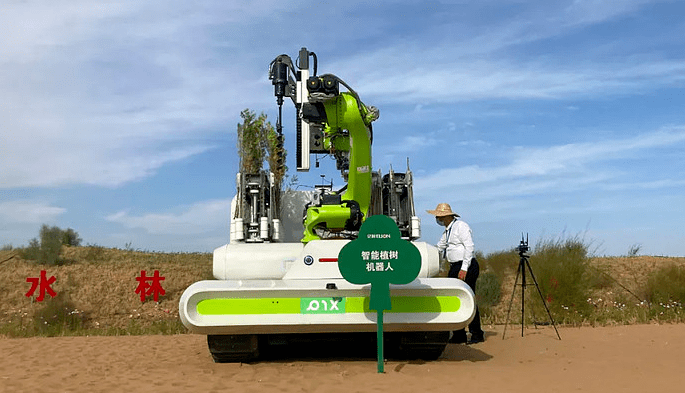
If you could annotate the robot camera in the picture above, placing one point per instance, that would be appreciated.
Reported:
(327, 84)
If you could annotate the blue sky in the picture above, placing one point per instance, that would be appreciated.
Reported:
(562, 118)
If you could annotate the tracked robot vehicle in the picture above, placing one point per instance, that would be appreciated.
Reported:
(271, 290)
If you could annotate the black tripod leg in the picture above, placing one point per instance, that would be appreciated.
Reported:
(511, 300)
(523, 295)
(542, 298)
(532, 315)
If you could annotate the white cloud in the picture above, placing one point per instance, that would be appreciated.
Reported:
(410, 144)
(464, 79)
(595, 11)
(96, 166)
(551, 168)
(108, 93)
(29, 28)
(482, 61)
(646, 185)
(201, 217)
(26, 212)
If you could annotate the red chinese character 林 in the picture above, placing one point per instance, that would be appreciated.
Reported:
(154, 288)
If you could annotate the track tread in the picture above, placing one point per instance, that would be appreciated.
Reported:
(233, 348)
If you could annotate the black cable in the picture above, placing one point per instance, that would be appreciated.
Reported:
(360, 104)
(619, 284)
(316, 61)
(283, 59)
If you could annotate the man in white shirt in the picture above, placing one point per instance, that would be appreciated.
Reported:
(456, 245)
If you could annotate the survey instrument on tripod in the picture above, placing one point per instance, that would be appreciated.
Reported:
(521, 272)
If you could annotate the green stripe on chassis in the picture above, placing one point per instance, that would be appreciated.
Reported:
(324, 305)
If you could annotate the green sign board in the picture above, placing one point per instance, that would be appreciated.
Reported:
(380, 257)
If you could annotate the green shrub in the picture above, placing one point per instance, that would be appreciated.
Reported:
(251, 141)
(32, 251)
(501, 263)
(58, 317)
(488, 289)
(50, 245)
(488, 292)
(634, 250)
(598, 279)
(7, 247)
(47, 250)
(666, 284)
(71, 238)
(561, 269)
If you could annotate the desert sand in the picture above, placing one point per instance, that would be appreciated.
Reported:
(639, 358)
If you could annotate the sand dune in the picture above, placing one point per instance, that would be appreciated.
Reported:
(641, 358)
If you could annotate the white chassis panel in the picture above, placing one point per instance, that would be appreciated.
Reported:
(255, 323)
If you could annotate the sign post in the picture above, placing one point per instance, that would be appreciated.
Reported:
(380, 257)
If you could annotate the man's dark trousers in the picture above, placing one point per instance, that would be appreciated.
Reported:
(471, 278)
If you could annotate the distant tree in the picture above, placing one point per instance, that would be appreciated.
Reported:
(32, 251)
(47, 249)
(71, 238)
(50, 244)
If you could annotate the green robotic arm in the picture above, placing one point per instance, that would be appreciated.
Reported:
(345, 126)
(347, 133)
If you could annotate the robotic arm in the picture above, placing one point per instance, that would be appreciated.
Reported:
(328, 121)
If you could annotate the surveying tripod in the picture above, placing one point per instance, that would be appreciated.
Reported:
(521, 272)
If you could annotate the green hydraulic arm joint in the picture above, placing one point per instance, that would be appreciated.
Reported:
(347, 129)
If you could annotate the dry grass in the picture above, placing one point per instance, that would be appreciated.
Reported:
(618, 293)
(100, 284)
(98, 287)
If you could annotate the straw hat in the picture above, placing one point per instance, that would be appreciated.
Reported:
(442, 210)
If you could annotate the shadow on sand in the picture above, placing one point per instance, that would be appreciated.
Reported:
(357, 347)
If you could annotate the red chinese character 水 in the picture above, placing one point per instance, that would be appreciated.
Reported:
(147, 289)
(43, 283)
